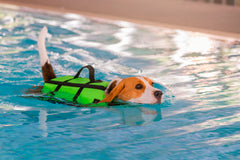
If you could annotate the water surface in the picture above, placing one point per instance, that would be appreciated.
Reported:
(198, 73)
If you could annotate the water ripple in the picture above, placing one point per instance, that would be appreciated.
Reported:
(198, 73)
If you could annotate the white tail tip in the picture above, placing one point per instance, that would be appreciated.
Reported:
(41, 46)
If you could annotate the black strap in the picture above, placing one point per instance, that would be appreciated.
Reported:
(91, 73)
(60, 85)
(81, 86)
(96, 101)
(78, 93)
(91, 77)
(77, 85)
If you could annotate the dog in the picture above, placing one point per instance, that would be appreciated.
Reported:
(131, 89)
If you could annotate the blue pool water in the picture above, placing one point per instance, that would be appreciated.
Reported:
(198, 73)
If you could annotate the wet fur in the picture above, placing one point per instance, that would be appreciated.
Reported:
(47, 72)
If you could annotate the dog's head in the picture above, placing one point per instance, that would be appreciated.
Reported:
(133, 89)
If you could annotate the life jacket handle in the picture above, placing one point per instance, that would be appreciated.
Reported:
(91, 73)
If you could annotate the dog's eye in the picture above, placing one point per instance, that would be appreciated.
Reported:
(139, 86)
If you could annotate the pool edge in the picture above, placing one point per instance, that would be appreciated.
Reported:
(50, 9)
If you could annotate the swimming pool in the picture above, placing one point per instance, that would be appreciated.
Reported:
(199, 74)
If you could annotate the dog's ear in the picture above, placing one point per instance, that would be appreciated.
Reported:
(113, 89)
(112, 85)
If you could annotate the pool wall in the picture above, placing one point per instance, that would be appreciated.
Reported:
(182, 14)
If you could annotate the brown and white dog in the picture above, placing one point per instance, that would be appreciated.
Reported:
(132, 89)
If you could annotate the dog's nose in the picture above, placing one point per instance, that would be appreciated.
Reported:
(158, 94)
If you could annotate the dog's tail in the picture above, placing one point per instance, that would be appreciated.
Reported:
(47, 69)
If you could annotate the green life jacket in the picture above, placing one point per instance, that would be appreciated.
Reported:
(77, 89)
